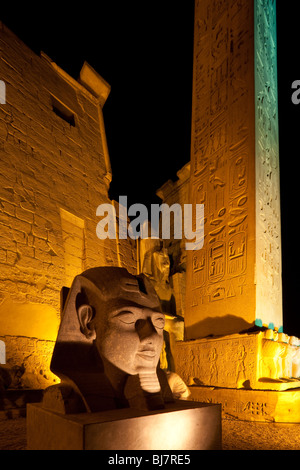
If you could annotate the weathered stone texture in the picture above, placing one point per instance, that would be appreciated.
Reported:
(33, 357)
(235, 280)
(171, 193)
(249, 361)
(47, 165)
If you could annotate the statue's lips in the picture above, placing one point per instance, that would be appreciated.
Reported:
(147, 353)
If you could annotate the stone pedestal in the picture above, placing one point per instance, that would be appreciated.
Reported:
(255, 376)
(181, 426)
(253, 405)
(241, 361)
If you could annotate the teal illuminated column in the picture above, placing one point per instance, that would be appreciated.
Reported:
(234, 282)
(268, 230)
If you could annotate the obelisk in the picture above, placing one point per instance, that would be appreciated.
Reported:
(234, 282)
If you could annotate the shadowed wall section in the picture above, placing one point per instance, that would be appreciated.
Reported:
(54, 173)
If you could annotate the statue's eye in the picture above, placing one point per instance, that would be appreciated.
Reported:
(126, 317)
(159, 321)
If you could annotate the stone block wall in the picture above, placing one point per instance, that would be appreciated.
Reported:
(54, 173)
(176, 193)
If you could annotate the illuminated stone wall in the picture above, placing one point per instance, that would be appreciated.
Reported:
(171, 193)
(55, 171)
(235, 280)
(268, 230)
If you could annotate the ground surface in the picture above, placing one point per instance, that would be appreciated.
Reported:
(237, 435)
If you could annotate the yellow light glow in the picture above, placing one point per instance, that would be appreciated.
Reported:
(174, 432)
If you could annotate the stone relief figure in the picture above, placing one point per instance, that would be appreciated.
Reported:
(296, 362)
(271, 356)
(279, 356)
(108, 345)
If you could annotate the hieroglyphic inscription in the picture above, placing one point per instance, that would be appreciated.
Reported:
(231, 39)
(268, 230)
(220, 157)
(225, 362)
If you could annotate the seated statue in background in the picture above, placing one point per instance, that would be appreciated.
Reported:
(156, 267)
(108, 345)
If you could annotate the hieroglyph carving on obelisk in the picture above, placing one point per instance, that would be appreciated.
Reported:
(235, 280)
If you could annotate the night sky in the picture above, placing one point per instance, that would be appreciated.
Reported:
(144, 50)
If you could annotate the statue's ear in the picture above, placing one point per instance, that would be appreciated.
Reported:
(85, 314)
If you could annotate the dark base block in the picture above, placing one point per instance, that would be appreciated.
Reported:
(181, 426)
